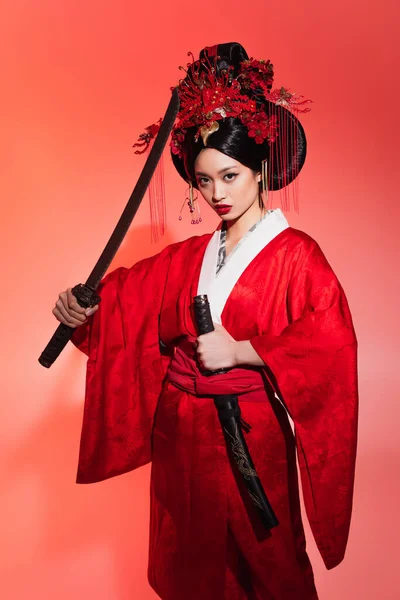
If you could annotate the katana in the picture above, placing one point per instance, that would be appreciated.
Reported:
(229, 415)
(86, 293)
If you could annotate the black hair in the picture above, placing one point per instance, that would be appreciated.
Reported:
(231, 139)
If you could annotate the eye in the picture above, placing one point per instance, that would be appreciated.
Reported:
(202, 181)
(230, 176)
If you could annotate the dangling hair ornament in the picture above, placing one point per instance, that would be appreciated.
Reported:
(264, 180)
(191, 200)
(158, 215)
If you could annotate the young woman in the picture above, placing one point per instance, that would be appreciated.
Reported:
(283, 331)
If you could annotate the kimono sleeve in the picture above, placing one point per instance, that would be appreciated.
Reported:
(125, 370)
(312, 366)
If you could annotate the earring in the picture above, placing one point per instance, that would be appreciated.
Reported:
(264, 178)
(193, 205)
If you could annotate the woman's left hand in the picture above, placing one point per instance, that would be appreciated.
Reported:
(217, 349)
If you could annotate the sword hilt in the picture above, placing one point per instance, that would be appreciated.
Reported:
(86, 297)
(204, 322)
(202, 314)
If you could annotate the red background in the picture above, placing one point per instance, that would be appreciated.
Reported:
(79, 82)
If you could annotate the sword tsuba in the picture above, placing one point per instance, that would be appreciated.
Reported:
(85, 295)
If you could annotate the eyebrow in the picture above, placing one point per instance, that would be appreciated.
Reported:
(219, 172)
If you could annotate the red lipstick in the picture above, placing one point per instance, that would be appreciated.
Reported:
(223, 209)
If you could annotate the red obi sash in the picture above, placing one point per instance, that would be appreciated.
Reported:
(184, 373)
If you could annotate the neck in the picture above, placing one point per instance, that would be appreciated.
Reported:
(237, 228)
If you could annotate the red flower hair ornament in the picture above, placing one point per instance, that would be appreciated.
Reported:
(207, 96)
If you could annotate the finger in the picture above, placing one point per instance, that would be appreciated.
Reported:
(205, 365)
(199, 345)
(66, 318)
(78, 316)
(60, 317)
(69, 319)
(199, 361)
(73, 302)
(205, 335)
(219, 329)
(75, 315)
(64, 298)
(91, 310)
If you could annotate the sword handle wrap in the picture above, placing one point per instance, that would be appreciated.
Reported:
(202, 314)
(86, 297)
(204, 322)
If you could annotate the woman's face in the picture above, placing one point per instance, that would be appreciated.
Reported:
(229, 187)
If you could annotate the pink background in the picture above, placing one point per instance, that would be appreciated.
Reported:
(79, 82)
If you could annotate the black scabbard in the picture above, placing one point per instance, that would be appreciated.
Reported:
(230, 418)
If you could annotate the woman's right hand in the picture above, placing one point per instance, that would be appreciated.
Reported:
(68, 311)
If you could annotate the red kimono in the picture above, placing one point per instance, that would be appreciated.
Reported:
(290, 305)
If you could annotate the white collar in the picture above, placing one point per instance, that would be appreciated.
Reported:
(218, 288)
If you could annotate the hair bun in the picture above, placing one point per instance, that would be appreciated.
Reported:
(230, 54)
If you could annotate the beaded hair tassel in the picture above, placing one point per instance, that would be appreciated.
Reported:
(191, 200)
(158, 213)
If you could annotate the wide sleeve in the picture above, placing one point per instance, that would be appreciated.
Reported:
(125, 370)
(312, 366)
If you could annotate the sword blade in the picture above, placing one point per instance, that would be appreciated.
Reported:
(137, 195)
(86, 293)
